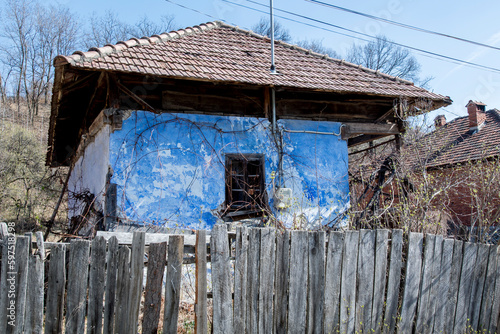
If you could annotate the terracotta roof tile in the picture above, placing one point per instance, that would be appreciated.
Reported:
(217, 51)
(454, 143)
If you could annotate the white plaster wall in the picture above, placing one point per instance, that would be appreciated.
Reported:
(90, 170)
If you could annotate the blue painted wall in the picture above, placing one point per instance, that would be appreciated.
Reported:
(169, 168)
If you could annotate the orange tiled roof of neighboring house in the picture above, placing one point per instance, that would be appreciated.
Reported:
(219, 52)
(455, 142)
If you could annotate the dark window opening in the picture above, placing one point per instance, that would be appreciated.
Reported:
(245, 185)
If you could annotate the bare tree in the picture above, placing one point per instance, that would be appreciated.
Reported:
(280, 32)
(381, 55)
(316, 45)
(146, 27)
(106, 29)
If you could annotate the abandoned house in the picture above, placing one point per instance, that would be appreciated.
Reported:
(188, 127)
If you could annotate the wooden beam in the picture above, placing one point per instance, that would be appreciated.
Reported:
(353, 129)
(351, 142)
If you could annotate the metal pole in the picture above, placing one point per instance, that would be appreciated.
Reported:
(273, 106)
(273, 68)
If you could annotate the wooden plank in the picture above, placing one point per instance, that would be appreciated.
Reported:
(266, 274)
(434, 285)
(393, 282)
(495, 310)
(78, 271)
(110, 207)
(349, 282)
(478, 285)
(253, 264)
(97, 281)
(381, 246)
(34, 297)
(488, 291)
(17, 300)
(240, 279)
(443, 286)
(4, 230)
(297, 305)
(333, 275)
(316, 287)
(366, 272)
(452, 301)
(122, 290)
(111, 276)
(371, 129)
(40, 245)
(281, 280)
(464, 292)
(422, 325)
(412, 282)
(8, 243)
(221, 281)
(201, 316)
(173, 283)
(157, 258)
(136, 279)
(55, 290)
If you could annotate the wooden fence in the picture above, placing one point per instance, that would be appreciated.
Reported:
(263, 281)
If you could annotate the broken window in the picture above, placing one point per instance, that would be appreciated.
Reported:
(245, 185)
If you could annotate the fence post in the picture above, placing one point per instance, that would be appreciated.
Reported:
(157, 258)
(111, 276)
(201, 318)
(55, 290)
(173, 283)
(97, 278)
(76, 300)
(136, 278)
(34, 305)
(221, 280)
(297, 302)
(412, 282)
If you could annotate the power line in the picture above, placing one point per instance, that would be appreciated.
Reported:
(403, 25)
(448, 58)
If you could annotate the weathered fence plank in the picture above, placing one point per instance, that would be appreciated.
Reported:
(393, 282)
(488, 291)
(443, 286)
(478, 285)
(495, 310)
(333, 275)
(110, 294)
(136, 279)
(221, 281)
(240, 279)
(55, 290)
(348, 287)
(266, 274)
(4, 230)
(297, 300)
(456, 268)
(281, 281)
(464, 292)
(157, 258)
(253, 264)
(381, 246)
(3, 280)
(20, 275)
(76, 300)
(434, 286)
(122, 291)
(422, 322)
(173, 283)
(366, 272)
(412, 282)
(316, 293)
(201, 316)
(34, 297)
(97, 276)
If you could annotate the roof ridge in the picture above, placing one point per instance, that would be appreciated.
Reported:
(97, 52)
(320, 55)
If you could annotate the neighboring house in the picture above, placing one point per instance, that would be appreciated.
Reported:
(464, 153)
(185, 128)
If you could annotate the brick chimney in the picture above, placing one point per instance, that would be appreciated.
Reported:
(477, 116)
(439, 121)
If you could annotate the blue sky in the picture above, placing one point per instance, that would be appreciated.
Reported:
(476, 21)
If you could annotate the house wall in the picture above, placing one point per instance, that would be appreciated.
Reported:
(169, 168)
(89, 173)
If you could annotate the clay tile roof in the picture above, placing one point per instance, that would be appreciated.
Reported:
(216, 51)
(454, 143)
